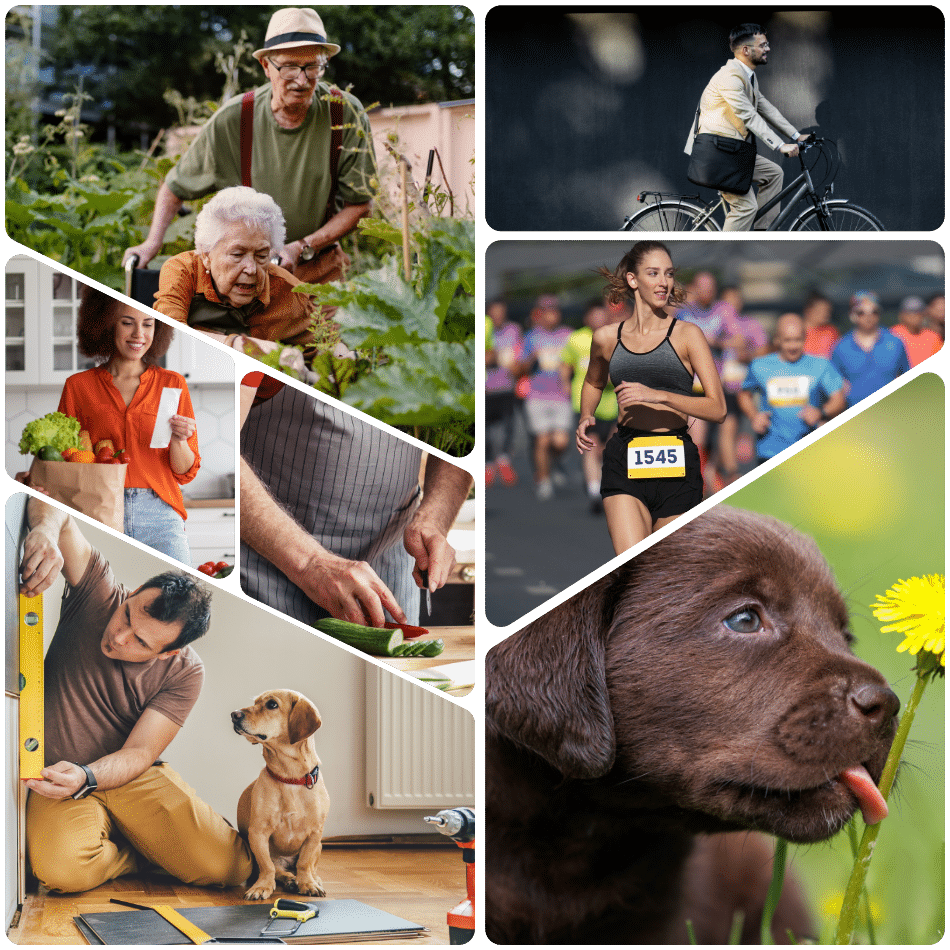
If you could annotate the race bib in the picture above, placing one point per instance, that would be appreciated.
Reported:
(656, 456)
(549, 359)
(733, 372)
(788, 390)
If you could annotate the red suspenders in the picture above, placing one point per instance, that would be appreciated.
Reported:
(336, 141)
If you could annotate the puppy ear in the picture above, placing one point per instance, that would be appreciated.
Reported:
(546, 687)
(304, 720)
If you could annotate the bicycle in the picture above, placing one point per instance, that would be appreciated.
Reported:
(670, 212)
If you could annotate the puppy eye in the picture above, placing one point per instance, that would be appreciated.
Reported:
(746, 620)
(271, 704)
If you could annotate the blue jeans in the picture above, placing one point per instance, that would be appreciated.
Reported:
(154, 522)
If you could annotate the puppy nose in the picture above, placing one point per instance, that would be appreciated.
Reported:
(237, 715)
(876, 703)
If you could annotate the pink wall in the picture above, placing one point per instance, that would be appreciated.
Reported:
(448, 127)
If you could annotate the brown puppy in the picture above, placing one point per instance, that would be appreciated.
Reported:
(283, 810)
(706, 686)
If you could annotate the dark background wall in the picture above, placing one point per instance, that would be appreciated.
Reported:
(586, 107)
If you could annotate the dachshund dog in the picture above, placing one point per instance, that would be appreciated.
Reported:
(282, 812)
(706, 686)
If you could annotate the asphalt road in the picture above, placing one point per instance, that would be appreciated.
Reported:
(535, 549)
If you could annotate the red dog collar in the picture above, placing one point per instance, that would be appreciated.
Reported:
(310, 779)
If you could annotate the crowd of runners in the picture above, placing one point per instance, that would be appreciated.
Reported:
(780, 378)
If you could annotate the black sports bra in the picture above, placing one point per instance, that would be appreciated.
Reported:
(660, 368)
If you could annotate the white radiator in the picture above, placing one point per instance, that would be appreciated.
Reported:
(420, 747)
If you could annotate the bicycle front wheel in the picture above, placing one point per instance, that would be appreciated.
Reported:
(672, 215)
(839, 216)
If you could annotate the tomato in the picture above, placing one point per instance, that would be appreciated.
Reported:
(104, 456)
(123, 457)
(207, 568)
(220, 566)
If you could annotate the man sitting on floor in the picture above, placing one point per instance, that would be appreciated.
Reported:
(120, 682)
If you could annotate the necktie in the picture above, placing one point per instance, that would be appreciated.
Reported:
(754, 90)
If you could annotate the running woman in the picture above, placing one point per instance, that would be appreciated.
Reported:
(651, 471)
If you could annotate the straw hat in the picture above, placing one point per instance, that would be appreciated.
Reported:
(294, 27)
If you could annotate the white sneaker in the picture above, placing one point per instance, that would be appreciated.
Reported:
(544, 490)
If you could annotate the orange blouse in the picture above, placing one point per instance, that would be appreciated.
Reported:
(92, 398)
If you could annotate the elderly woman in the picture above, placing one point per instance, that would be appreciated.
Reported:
(228, 285)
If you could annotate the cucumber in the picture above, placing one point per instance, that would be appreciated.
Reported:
(420, 648)
(374, 640)
(406, 649)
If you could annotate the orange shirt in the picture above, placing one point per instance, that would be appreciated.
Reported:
(92, 398)
(919, 346)
(277, 313)
(821, 340)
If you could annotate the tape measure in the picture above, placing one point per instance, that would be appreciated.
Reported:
(31, 744)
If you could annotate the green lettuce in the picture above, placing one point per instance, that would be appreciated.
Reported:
(55, 429)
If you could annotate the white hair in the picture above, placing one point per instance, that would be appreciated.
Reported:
(238, 204)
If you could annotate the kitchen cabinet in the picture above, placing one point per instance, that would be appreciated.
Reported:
(210, 529)
(198, 361)
(40, 306)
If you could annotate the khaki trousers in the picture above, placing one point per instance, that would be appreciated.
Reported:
(156, 818)
(767, 177)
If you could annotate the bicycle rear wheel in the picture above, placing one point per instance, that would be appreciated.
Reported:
(671, 215)
(841, 216)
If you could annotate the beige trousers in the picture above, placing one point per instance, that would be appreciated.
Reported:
(767, 179)
(156, 818)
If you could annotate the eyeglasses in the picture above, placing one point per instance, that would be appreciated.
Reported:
(293, 70)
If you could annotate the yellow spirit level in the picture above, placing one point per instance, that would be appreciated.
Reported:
(31, 686)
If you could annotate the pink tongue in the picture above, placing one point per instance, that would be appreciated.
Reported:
(873, 806)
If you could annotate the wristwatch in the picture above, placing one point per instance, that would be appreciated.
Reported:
(91, 783)
(306, 252)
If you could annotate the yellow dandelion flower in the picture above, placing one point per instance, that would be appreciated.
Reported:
(831, 907)
(916, 608)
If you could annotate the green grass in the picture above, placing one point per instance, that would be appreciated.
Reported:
(871, 493)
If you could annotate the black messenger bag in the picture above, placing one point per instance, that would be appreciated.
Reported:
(720, 162)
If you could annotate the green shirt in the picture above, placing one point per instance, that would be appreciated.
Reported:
(576, 354)
(291, 165)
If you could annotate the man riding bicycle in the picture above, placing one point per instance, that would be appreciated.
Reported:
(732, 106)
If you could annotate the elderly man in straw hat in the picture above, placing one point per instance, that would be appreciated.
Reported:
(303, 142)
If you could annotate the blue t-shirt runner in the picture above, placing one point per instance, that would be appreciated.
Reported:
(868, 370)
(785, 389)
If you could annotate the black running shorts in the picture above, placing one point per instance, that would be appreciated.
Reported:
(663, 497)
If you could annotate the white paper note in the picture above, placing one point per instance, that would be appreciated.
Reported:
(167, 407)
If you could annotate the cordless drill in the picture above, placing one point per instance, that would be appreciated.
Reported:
(459, 825)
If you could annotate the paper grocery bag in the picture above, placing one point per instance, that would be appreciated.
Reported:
(92, 488)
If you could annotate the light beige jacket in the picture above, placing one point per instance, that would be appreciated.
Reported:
(729, 107)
